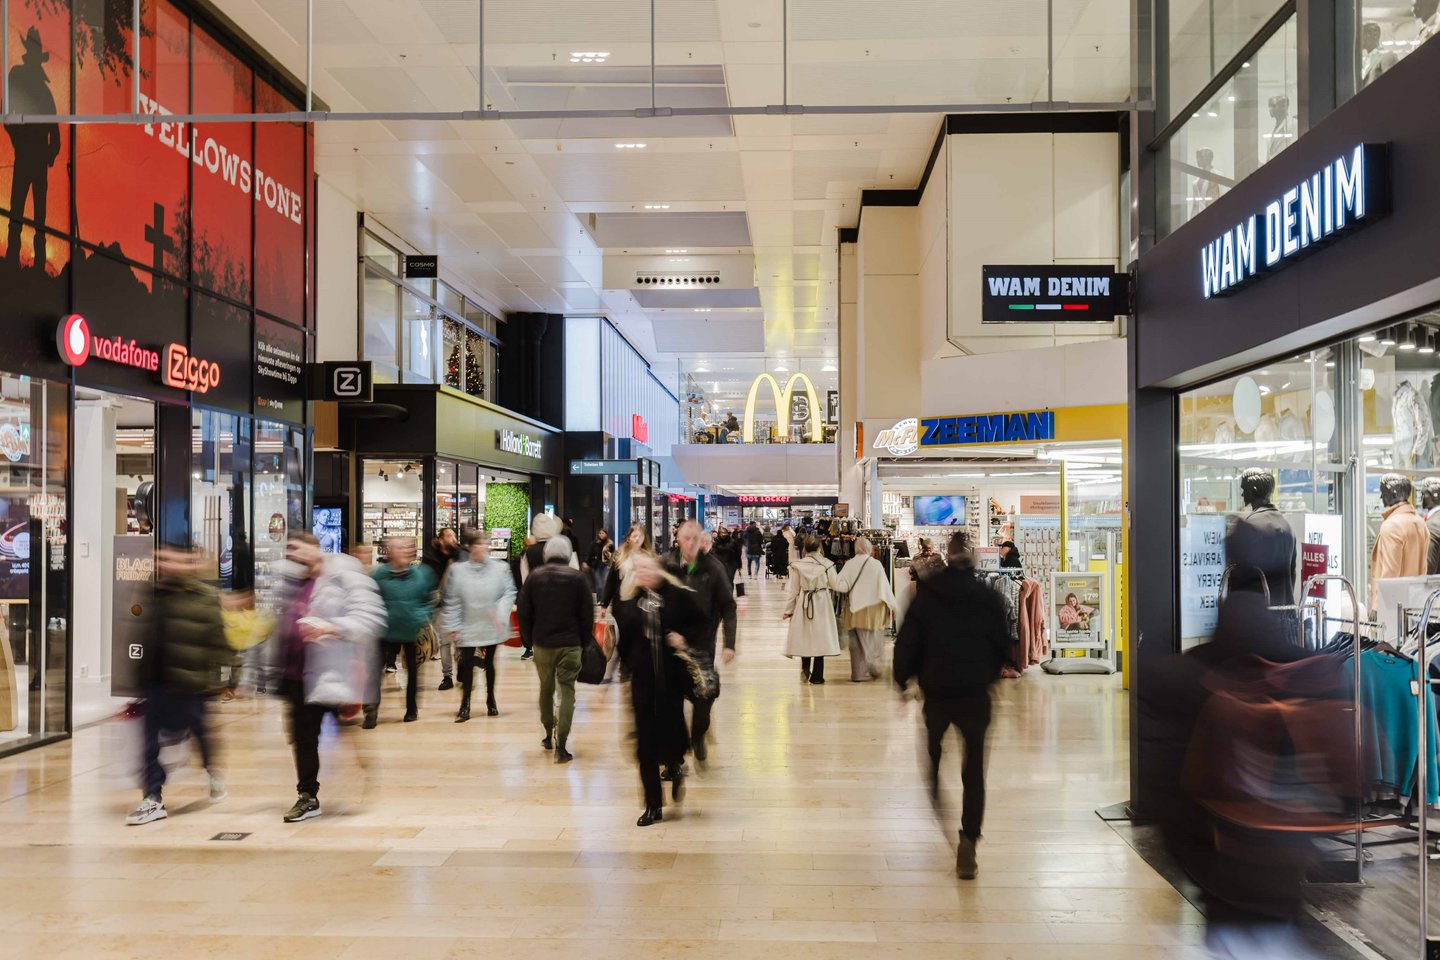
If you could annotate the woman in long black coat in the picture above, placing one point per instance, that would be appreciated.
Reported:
(649, 607)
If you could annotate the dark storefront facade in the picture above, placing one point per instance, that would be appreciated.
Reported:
(1302, 343)
(430, 457)
(158, 316)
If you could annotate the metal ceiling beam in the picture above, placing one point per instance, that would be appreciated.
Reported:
(793, 109)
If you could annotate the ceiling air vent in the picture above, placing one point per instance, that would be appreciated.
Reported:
(677, 281)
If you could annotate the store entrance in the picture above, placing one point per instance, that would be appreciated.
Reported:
(114, 511)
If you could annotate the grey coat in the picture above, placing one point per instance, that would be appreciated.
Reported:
(335, 667)
(477, 603)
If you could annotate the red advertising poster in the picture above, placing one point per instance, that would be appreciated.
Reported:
(1314, 562)
(34, 158)
(220, 247)
(131, 180)
(280, 195)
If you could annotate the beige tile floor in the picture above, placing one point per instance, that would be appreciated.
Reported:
(810, 829)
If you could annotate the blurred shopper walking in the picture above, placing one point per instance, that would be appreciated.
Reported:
(869, 605)
(810, 608)
(599, 561)
(637, 542)
(444, 551)
(186, 658)
(952, 645)
(726, 549)
(754, 549)
(557, 617)
(409, 593)
(543, 528)
(705, 576)
(475, 616)
(324, 647)
(651, 605)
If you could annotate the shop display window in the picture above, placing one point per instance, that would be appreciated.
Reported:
(1388, 33)
(470, 497)
(34, 579)
(447, 500)
(220, 496)
(1204, 35)
(1249, 121)
(279, 498)
(391, 505)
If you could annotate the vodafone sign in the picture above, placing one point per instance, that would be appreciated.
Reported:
(180, 369)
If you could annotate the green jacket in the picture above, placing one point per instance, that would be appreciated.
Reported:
(409, 600)
(190, 650)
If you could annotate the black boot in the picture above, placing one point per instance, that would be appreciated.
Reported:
(491, 709)
(650, 816)
(464, 712)
(372, 716)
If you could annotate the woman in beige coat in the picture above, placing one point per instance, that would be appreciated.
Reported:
(870, 605)
(810, 608)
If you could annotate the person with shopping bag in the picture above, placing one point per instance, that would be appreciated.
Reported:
(475, 616)
(325, 644)
(869, 603)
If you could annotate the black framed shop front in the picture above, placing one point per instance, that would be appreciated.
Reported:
(429, 457)
(1320, 370)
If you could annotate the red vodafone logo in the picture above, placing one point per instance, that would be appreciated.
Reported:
(73, 339)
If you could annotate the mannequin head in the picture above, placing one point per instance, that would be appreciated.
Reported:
(1279, 107)
(1370, 36)
(1205, 158)
(1394, 488)
(1256, 486)
(1430, 493)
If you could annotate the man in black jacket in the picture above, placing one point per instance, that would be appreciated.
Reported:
(754, 549)
(557, 616)
(707, 577)
(953, 643)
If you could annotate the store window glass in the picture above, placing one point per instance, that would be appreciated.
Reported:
(1204, 36)
(392, 497)
(419, 320)
(34, 580)
(279, 503)
(1389, 32)
(469, 498)
(453, 350)
(220, 496)
(381, 253)
(1280, 419)
(479, 365)
(1250, 120)
(381, 308)
(447, 503)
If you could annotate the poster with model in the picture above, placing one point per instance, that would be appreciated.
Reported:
(1077, 611)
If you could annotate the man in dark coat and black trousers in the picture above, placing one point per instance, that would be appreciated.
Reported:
(952, 644)
(709, 580)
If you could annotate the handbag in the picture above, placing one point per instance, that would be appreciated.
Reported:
(704, 681)
(740, 589)
(592, 663)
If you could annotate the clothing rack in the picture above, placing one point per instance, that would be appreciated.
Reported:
(1426, 685)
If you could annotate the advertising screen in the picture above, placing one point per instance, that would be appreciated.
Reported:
(939, 511)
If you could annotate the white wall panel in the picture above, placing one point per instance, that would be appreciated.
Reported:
(337, 310)
(582, 373)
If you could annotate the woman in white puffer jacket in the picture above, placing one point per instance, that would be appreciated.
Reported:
(479, 594)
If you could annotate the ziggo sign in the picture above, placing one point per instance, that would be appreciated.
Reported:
(180, 370)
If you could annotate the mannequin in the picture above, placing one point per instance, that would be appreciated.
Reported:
(1284, 133)
(1260, 546)
(1430, 506)
(1402, 547)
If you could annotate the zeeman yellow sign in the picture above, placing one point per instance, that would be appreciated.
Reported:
(782, 407)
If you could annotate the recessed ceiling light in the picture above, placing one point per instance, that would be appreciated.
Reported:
(1231, 98)
(828, 368)
(1245, 65)
(630, 146)
(1211, 113)
(781, 368)
(657, 206)
(1368, 338)
(704, 310)
(677, 251)
(679, 259)
(589, 56)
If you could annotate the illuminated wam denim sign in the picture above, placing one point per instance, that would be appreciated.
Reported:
(1346, 193)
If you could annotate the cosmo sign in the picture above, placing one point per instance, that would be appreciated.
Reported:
(1345, 194)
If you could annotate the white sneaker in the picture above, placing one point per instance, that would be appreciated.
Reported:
(151, 808)
(217, 790)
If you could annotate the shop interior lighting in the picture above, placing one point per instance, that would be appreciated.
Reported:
(657, 206)
(677, 251)
(828, 368)
(589, 56)
(630, 146)
(1367, 338)
(1387, 338)
(1427, 342)
(1411, 342)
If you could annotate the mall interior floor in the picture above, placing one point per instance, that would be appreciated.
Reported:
(810, 827)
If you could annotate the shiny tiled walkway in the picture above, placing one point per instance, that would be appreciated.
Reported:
(441, 840)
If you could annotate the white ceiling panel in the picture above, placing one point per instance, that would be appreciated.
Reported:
(467, 175)
(651, 178)
(706, 336)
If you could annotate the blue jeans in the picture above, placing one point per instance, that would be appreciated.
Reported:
(752, 563)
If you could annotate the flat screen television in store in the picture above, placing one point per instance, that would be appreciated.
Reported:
(939, 511)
